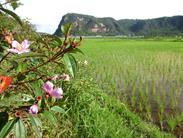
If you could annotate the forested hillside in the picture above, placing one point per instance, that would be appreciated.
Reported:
(90, 25)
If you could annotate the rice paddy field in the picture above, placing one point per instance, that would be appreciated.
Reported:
(145, 74)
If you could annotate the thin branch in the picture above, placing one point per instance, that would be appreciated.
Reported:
(32, 80)
(4, 57)
(60, 53)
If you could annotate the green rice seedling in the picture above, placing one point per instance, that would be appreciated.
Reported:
(133, 95)
(173, 100)
(160, 115)
(148, 109)
(172, 122)
(147, 104)
(175, 121)
(161, 105)
(118, 63)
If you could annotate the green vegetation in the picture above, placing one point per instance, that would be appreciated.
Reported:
(92, 113)
(92, 26)
(87, 111)
(146, 75)
(38, 98)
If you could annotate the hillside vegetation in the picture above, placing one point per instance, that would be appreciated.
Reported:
(90, 25)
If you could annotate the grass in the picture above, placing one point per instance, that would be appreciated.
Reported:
(146, 75)
(92, 113)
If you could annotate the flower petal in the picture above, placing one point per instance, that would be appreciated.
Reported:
(33, 109)
(25, 44)
(57, 93)
(20, 48)
(48, 87)
(13, 50)
(23, 51)
(15, 43)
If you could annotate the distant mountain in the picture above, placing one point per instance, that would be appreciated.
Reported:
(86, 25)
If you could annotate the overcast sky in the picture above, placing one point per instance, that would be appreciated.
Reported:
(46, 14)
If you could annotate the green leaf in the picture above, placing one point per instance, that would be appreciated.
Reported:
(21, 77)
(15, 16)
(54, 44)
(21, 66)
(76, 50)
(14, 64)
(7, 128)
(2, 48)
(20, 130)
(37, 87)
(66, 28)
(70, 63)
(36, 125)
(14, 5)
(26, 97)
(58, 109)
(3, 119)
(50, 116)
(8, 101)
(58, 40)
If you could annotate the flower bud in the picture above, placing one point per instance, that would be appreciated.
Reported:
(39, 98)
(17, 113)
(33, 109)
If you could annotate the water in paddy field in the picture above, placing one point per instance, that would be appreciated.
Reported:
(145, 75)
(155, 97)
(155, 100)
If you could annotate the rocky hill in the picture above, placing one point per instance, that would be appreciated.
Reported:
(90, 25)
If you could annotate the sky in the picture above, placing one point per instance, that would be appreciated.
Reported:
(46, 14)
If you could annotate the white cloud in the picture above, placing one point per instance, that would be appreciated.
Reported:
(49, 12)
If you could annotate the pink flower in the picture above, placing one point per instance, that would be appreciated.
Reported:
(48, 87)
(33, 109)
(57, 93)
(53, 92)
(20, 48)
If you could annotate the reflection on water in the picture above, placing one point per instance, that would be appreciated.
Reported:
(153, 100)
